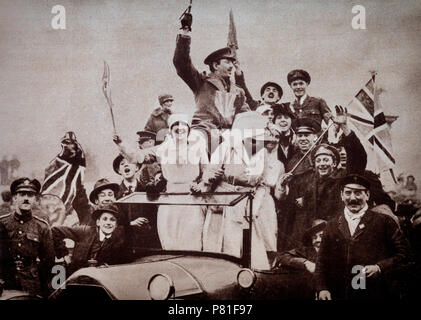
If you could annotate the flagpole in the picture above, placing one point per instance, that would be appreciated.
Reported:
(107, 92)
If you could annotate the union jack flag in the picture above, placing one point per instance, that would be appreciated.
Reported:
(368, 121)
(65, 172)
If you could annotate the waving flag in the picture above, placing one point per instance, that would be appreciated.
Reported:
(368, 121)
(66, 171)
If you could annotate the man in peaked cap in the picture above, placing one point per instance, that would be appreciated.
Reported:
(315, 192)
(218, 99)
(359, 240)
(304, 105)
(26, 245)
(158, 120)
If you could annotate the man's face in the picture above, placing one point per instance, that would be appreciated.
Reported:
(342, 154)
(305, 140)
(316, 240)
(127, 170)
(224, 67)
(324, 165)
(299, 87)
(25, 200)
(270, 94)
(145, 144)
(105, 196)
(167, 104)
(284, 122)
(355, 197)
(106, 223)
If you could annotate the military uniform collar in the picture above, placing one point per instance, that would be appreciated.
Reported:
(300, 103)
(23, 217)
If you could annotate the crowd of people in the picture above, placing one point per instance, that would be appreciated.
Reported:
(317, 212)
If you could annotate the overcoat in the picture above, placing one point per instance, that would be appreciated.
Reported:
(377, 240)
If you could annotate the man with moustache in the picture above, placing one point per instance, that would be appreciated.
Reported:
(304, 105)
(360, 240)
(314, 193)
(217, 98)
(26, 244)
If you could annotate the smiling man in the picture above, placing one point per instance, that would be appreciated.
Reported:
(360, 239)
(315, 193)
(26, 245)
(304, 105)
(218, 99)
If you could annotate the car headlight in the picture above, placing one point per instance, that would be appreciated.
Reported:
(246, 278)
(160, 287)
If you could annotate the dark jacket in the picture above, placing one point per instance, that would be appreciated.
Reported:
(377, 240)
(157, 121)
(86, 238)
(206, 89)
(301, 284)
(26, 253)
(147, 236)
(312, 107)
(321, 197)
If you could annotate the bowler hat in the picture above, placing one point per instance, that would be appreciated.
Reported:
(272, 84)
(164, 97)
(355, 179)
(298, 74)
(317, 226)
(110, 208)
(326, 149)
(100, 185)
(224, 53)
(25, 185)
(306, 125)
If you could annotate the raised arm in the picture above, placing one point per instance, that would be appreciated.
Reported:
(183, 64)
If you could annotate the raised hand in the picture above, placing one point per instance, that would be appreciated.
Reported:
(341, 115)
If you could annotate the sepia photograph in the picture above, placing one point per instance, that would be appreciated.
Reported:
(203, 150)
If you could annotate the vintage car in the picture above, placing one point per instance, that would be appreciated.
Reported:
(160, 274)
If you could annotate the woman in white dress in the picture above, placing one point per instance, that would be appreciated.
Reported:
(183, 156)
(246, 163)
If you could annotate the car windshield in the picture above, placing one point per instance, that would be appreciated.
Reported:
(187, 222)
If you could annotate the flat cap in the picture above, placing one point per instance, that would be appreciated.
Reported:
(165, 97)
(224, 53)
(326, 149)
(298, 74)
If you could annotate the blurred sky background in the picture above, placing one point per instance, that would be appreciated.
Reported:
(50, 80)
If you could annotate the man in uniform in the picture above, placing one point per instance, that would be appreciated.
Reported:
(304, 105)
(359, 240)
(217, 98)
(26, 244)
(158, 120)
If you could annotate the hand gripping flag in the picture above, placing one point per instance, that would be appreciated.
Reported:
(368, 121)
(66, 171)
